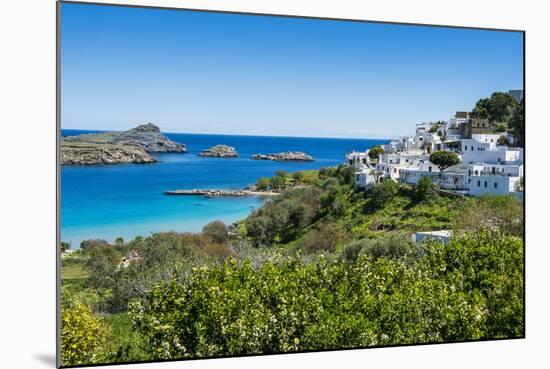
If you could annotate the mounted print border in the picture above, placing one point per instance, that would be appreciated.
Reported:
(235, 184)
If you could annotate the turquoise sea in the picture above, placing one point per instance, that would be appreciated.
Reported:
(127, 200)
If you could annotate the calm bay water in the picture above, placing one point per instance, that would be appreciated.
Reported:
(127, 200)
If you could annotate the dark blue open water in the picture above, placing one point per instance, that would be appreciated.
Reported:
(127, 200)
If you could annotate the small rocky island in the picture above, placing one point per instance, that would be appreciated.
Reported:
(284, 156)
(132, 146)
(220, 151)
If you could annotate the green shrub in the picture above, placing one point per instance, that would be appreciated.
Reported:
(263, 183)
(424, 190)
(383, 193)
(324, 237)
(471, 289)
(393, 246)
(82, 334)
(216, 232)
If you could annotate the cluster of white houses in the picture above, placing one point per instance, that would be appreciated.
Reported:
(489, 162)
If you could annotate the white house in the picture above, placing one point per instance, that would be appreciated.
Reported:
(441, 236)
(358, 159)
(389, 164)
(474, 151)
(493, 184)
(404, 143)
(488, 137)
(447, 180)
(365, 178)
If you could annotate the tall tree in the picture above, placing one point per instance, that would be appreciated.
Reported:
(375, 152)
(497, 108)
(444, 159)
(518, 123)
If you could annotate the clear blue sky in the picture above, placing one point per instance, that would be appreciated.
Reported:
(239, 74)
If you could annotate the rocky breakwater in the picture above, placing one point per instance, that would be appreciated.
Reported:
(220, 151)
(284, 156)
(211, 193)
(132, 146)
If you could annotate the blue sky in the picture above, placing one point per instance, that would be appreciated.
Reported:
(203, 72)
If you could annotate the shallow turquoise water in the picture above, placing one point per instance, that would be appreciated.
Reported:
(127, 200)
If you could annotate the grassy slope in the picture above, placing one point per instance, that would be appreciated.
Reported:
(401, 215)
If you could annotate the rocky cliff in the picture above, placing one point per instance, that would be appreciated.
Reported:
(147, 136)
(132, 146)
(83, 153)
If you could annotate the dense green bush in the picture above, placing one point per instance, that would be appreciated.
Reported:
(383, 193)
(502, 213)
(324, 237)
(216, 232)
(281, 219)
(393, 246)
(82, 333)
(424, 190)
(471, 289)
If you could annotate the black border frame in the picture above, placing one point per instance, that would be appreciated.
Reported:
(58, 4)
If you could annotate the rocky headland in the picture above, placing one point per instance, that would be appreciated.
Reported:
(83, 153)
(220, 151)
(284, 156)
(132, 146)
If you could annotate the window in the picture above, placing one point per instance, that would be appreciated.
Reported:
(465, 148)
(485, 184)
(469, 180)
(472, 148)
(478, 183)
(429, 169)
(496, 185)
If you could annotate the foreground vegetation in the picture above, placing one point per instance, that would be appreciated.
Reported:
(321, 266)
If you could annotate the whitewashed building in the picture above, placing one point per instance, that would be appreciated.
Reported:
(474, 151)
(358, 159)
(447, 180)
(365, 178)
(494, 184)
(486, 166)
(390, 164)
(441, 236)
(365, 174)
(404, 143)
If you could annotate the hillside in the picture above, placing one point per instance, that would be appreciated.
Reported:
(320, 266)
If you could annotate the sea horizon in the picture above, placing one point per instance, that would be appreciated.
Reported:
(83, 130)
